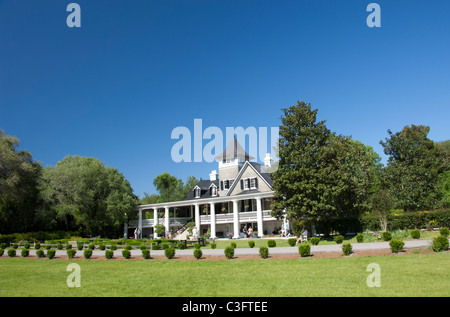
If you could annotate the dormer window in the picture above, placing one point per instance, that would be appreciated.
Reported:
(249, 183)
(197, 192)
(213, 190)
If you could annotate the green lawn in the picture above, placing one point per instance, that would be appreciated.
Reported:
(401, 275)
(282, 242)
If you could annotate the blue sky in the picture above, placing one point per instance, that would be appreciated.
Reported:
(116, 87)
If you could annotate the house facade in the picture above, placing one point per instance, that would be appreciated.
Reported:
(239, 195)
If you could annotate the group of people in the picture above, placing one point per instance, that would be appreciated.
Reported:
(283, 231)
(248, 233)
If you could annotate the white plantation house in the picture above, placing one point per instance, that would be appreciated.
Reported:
(239, 195)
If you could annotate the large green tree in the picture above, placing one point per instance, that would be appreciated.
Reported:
(169, 189)
(320, 175)
(87, 197)
(19, 175)
(413, 168)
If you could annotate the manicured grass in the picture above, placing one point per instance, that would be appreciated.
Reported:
(401, 275)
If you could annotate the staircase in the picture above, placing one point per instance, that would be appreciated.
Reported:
(181, 233)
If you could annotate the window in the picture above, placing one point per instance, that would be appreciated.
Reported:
(253, 183)
(197, 192)
(213, 190)
(246, 183)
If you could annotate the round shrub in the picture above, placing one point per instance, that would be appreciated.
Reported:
(198, 253)
(40, 253)
(314, 240)
(415, 233)
(165, 246)
(338, 239)
(360, 238)
(15, 246)
(51, 254)
(102, 247)
(25, 252)
(229, 252)
(48, 246)
(181, 245)
(304, 250)
(109, 254)
(60, 246)
(396, 245)
(213, 245)
(170, 253)
(271, 243)
(197, 246)
(233, 245)
(27, 246)
(87, 253)
(264, 252)
(1, 251)
(113, 247)
(126, 253)
(155, 246)
(68, 246)
(80, 246)
(444, 231)
(11, 252)
(143, 247)
(440, 243)
(127, 247)
(386, 236)
(71, 253)
(146, 254)
(292, 242)
(347, 249)
(251, 244)
(37, 246)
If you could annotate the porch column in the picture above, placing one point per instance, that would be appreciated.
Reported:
(213, 221)
(155, 222)
(235, 220)
(197, 217)
(166, 220)
(259, 217)
(140, 224)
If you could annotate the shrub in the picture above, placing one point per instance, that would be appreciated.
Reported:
(314, 240)
(37, 246)
(440, 243)
(360, 238)
(165, 246)
(48, 246)
(126, 253)
(113, 247)
(1, 251)
(60, 246)
(101, 247)
(87, 253)
(127, 247)
(146, 253)
(51, 254)
(444, 231)
(213, 245)
(347, 249)
(198, 253)
(396, 245)
(40, 253)
(3, 246)
(386, 236)
(338, 239)
(71, 253)
(68, 246)
(264, 252)
(292, 242)
(11, 252)
(109, 254)
(251, 244)
(79, 246)
(25, 253)
(271, 243)
(15, 246)
(304, 250)
(229, 252)
(415, 233)
(233, 245)
(155, 246)
(26, 246)
(143, 247)
(197, 246)
(170, 253)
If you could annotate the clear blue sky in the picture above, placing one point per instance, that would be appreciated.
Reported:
(116, 87)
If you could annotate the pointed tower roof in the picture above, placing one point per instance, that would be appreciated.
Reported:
(234, 149)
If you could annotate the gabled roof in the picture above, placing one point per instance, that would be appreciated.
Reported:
(234, 149)
(257, 169)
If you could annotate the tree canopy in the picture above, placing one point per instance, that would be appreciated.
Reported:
(169, 188)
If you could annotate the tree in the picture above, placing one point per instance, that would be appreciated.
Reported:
(320, 175)
(381, 203)
(413, 168)
(19, 175)
(88, 197)
(169, 188)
